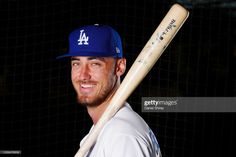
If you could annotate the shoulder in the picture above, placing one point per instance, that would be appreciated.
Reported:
(124, 133)
(126, 123)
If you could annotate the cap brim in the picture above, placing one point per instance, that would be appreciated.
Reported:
(94, 54)
(64, 56)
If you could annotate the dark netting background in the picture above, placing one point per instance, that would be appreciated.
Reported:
(39, 114)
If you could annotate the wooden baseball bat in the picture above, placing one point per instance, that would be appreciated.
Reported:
(153, 49)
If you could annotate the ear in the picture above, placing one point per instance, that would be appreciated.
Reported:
(120, 66)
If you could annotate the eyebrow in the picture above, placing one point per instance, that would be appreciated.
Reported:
(89, 58)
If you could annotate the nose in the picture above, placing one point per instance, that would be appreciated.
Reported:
(84, 73)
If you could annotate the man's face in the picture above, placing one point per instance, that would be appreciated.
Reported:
(93, 78)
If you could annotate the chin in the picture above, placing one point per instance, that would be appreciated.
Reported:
(84, 101)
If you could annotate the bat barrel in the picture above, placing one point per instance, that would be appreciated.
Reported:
(151, 52)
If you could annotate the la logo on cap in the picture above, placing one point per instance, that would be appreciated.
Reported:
(83, 39)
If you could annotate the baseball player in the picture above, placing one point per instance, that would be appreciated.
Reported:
(97, 63)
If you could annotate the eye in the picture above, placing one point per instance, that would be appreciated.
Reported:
(96, 64)
(75, 64)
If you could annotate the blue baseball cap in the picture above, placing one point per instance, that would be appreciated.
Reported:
(94, 40)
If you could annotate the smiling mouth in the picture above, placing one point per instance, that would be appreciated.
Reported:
(87, 85)
(87, 88)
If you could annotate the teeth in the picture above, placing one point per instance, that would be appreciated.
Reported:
(87, 85)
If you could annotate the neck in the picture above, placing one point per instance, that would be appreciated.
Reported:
(95, 112)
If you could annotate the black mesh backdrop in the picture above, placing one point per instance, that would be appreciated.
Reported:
(39, 114)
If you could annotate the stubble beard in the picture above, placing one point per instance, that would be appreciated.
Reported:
(99, 99)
